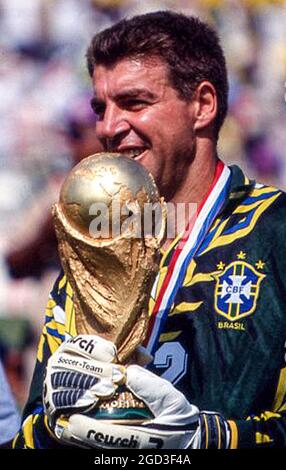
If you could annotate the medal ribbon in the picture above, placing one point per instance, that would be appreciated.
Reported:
(185, 251)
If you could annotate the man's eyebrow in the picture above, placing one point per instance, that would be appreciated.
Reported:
(121, 95)
(133, 92)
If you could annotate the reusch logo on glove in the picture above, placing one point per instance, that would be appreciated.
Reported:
(82, 343)
(113, 441)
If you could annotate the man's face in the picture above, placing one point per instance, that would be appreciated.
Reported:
(141, 114)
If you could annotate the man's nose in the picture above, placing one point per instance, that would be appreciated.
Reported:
(112, 124)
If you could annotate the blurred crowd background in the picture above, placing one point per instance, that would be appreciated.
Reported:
(46, 126)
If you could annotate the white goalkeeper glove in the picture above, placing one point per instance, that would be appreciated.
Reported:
(175, 424)
(78, 374)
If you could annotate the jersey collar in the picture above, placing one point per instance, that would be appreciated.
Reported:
(240, 187)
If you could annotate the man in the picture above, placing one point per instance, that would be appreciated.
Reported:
(217, 327)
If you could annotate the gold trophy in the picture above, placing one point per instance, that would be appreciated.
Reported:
(111, 258)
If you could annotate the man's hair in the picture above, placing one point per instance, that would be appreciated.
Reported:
(189, 47)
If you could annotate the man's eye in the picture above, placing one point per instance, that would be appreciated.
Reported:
(99, 111)
(134, 104)
(98, 108)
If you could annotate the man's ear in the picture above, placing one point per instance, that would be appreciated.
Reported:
(205, 105)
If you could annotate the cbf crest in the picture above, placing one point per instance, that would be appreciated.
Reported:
(237, 289)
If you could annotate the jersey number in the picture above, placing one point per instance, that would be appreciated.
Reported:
(173, 357)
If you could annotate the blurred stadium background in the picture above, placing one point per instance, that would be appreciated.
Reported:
(46, 126)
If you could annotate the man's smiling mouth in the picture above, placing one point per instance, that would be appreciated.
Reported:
(134, 153)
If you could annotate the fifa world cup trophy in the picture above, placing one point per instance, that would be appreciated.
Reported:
(110, 254)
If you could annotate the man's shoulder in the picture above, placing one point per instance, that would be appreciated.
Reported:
(272, 197)
(268, 206)
(253, 195)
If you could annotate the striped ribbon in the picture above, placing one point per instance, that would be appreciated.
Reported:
(185, 250)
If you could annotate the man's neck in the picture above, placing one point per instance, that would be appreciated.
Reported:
(197, 182)
(193, 190)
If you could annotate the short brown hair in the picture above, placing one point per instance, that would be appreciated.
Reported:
(189, 47)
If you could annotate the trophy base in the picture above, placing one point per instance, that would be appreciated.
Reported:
(122, 408)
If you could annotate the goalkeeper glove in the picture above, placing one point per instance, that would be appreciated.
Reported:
(78, 374)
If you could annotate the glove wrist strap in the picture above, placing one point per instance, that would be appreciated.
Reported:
(215, 432)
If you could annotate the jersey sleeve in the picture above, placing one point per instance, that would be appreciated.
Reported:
(34, 432)
(268, 430)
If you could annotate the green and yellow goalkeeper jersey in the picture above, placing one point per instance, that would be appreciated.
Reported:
(223, 342)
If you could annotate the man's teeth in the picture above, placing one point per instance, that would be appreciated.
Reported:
(132, 153)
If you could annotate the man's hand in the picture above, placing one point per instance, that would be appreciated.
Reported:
(78, 374)
(175, 424)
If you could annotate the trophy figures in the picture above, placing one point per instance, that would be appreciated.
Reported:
(109, 248)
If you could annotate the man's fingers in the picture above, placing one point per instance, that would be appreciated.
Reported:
(68, 399)
(88, 432)
(72, 399)
(168, 405)
(90, 346)
(63, 361)
(76, 377)
(105, 388)
(72, 380)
